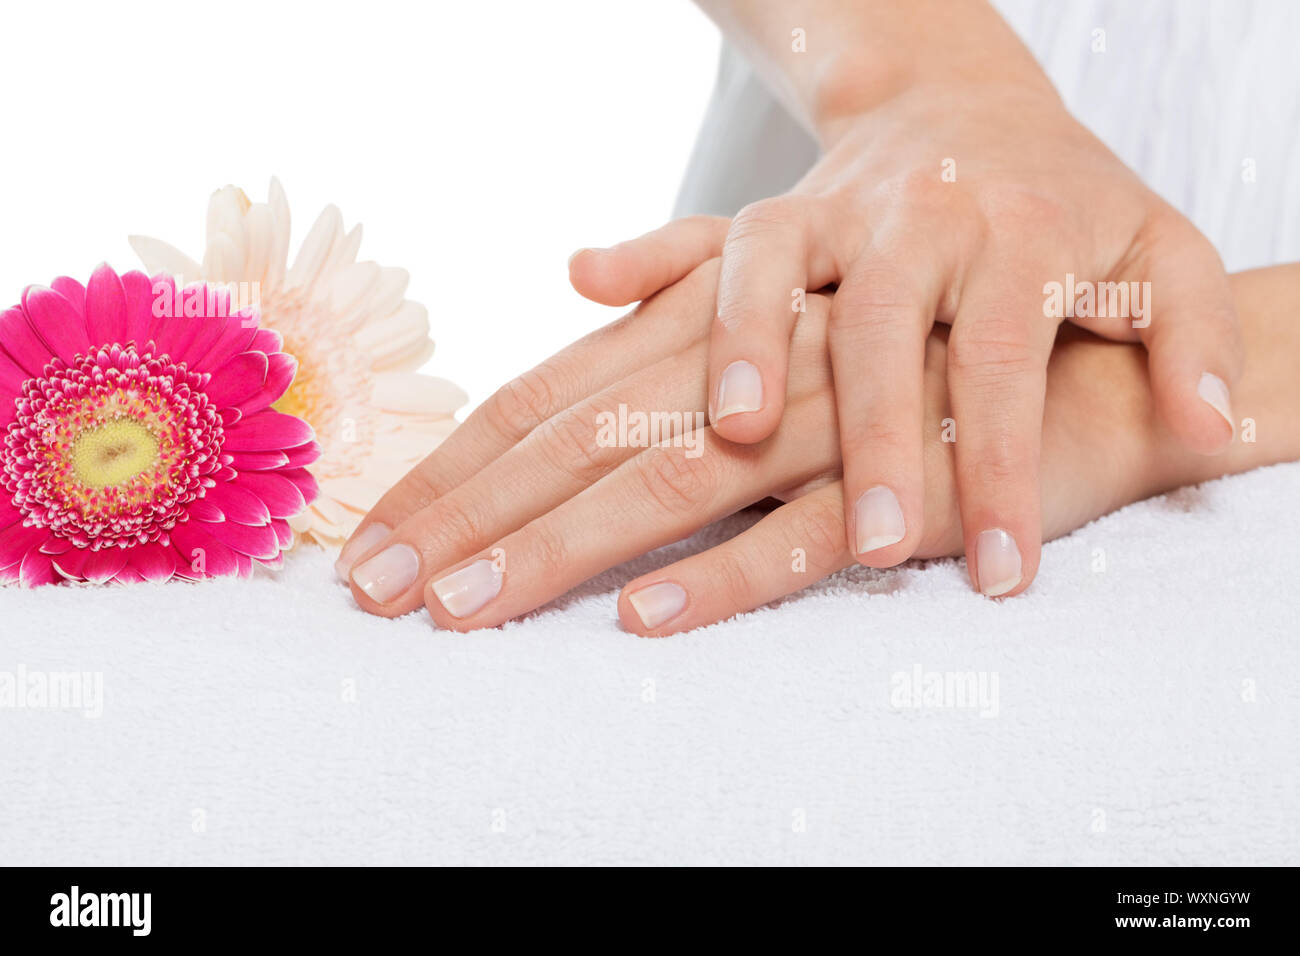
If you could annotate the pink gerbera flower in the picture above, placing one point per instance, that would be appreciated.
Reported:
(138, 438)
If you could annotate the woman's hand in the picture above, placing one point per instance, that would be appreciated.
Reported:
(952, 193)
(526, 500)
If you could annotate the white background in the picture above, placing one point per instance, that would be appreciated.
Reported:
(478, 143)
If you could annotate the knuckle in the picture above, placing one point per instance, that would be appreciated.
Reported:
(545, 547)
(731, 578)
(870, 438)
(455, 526)
(523, 403)
(763, 216)
(919, 189)
(1023, 208)
(880, 303)
(679, 485)
(819, 530)
(568, 442)
(999, 350)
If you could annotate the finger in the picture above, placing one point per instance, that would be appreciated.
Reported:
(880, 318)
(658, 497)
(997, 370)
(638, 268)
(568, 453)
(653, 331)
(1194, 339)
(760, 291)
(789, 549)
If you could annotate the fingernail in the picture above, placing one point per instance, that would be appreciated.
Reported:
(358, 546)
(1214, 393)
(658, 603)
(997, 562)
(465, 591)
(388, 573)
(878, 518)
(741, 390)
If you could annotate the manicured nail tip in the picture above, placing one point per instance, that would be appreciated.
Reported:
(879, 541)
(359, 545)
(658, 603)
(466, 591)
(1001, 587)
(1214, 392)
(997, 562)
(388, 574)
(740, 390)
(879, 519)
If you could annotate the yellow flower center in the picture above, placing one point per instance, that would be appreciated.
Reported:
(113, 452)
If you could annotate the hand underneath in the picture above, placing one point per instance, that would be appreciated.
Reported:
(525, 500)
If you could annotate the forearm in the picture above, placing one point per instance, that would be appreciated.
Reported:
(855, 54)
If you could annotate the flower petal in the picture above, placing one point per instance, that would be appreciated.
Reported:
(17, 540)
(239, 504)
(159, 256)
(37, 569)
(22, 343)
(266, 431)
(105, 307)
(195, 546)
(280, 371)
(243, 461)
(103, 564)
(254, 541)
(153, 561)
(59, 325)
(281, 496)
(140, 299)
(72, 290)
(237, 379)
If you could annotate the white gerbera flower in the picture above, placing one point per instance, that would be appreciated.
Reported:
(357, 339)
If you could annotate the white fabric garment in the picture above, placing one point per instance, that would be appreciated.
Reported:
(1145, 708)
(1197, 96)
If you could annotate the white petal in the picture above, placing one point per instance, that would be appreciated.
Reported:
(315, 249)
(347, 288)
(278, 262)
(344, 253)
(404, 332)
(408, 392)
(224, 259)
(158, 256)
(260, 233)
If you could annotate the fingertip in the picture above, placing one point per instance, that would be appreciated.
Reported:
(748, 403)
(594, 275)
(652, 609)
(1198, 409)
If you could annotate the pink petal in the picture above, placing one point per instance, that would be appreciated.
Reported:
(22, 343)
(202, 509)
(303, 454)
(256, 542)
(281, 369)
(105, 308)
(140, 298)
(165, 316)
(218, 559)
(17, 540)
(267, 340)
(72, 290)
(237, 379)
(37, 569)
(234, 338)
(281, 496)
(283, 534)
(70, 563)
(243, 461)
(12, 376)
(103, 564)
(304, 481)
(153, 561)
(58, 324)
(239, 504)
(267, 431)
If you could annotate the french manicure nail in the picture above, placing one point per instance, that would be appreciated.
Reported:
(1214, 392)
(740, 390)
(388, 573)
(878, 518)
(465, 591)
(358, 546)
(658, 603)
(997, 562)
